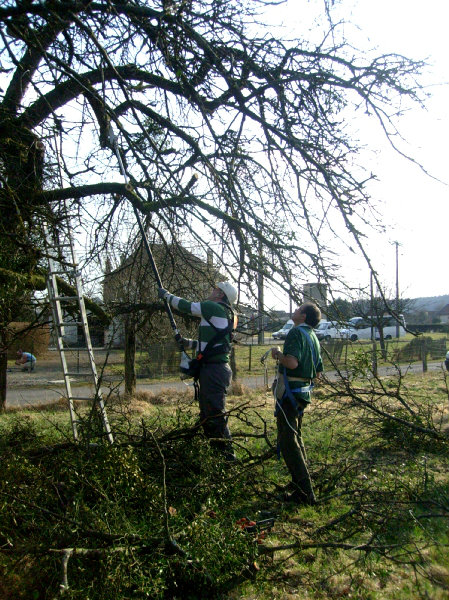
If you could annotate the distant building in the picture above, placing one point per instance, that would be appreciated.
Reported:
(316, 292)
(443, 314)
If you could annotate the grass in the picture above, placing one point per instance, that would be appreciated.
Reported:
(382, 486)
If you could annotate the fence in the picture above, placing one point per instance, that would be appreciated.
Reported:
(162, 360)
(419, 348)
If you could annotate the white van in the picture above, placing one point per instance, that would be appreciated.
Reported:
(359, 328)
(282, 333)
(329, 330)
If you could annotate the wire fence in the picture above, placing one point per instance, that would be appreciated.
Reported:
(162, 360)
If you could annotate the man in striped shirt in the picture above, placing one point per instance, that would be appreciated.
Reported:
(216, 316)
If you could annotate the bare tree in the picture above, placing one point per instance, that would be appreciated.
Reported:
(196, 94)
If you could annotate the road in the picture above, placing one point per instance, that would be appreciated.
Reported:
(47, 393)
(31, 392)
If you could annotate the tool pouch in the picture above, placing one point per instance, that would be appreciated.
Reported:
(190, 367)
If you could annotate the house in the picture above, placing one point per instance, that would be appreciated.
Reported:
(443, 314)
(130, 291)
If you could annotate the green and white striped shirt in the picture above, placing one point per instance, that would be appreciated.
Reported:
(215, 312)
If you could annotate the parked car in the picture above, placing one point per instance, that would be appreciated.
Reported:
(282, 333)
(329, 330)
(359, 328)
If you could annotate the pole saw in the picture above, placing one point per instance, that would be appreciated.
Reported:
(184, 365)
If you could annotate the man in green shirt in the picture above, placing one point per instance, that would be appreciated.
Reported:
(215, 376)
(299, 364)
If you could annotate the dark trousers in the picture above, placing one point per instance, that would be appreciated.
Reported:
(293, 451)
(215, 379)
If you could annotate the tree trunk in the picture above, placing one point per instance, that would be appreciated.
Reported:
(3, 369)
(380, 329)
(424, 355)
(382, 343)
(130, 355)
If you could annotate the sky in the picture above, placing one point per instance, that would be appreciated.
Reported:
(414, 206)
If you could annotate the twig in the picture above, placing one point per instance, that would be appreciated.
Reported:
(164, 490)
(337, 520)
(358, 400)
(332, 545)
(64, 585)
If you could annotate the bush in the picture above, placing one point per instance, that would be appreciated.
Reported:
(413, 350)
(109, 503)
(429, 327)
(35, 339)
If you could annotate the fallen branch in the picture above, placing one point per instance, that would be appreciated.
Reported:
(368, 405)
(329, 545)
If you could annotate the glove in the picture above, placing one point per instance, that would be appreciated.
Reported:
(186, 344)
(162, 293)
(182, 345)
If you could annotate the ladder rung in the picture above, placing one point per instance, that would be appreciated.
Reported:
(82, 397)
(62, 298)
(57, 245)
(78, 374)
(61, 259)
(75, 349)
(69, 323)
(67, 272)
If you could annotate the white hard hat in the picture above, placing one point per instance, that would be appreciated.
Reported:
(229, 290)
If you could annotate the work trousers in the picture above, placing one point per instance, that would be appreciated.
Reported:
(293, 451)
(29, 365)
(214, 380)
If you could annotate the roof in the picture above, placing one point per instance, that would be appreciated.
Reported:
(444, 310)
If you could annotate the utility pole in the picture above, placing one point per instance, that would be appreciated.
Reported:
(397, 287)
(373, 337)
(260, 308)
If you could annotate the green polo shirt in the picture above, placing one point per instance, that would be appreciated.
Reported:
(297, 345)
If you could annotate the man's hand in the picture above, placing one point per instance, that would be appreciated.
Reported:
(184, 343)
(286, 360)
(162, 293)
(275, 352)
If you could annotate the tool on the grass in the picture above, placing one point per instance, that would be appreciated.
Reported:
(259, 528)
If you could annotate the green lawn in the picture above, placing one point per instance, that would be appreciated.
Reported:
(156, 515)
